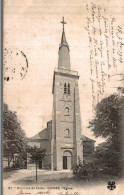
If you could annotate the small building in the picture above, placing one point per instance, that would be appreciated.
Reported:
(43, 140)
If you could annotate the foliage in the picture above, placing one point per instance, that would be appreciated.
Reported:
(36, 153)
(82, 171)
(107, 123)
(108, 159)
(20, 161)
(13, 135)
(121, 89)
(108, 118)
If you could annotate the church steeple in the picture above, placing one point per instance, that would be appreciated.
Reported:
(64, 57)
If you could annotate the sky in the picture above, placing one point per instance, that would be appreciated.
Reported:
(33, 28)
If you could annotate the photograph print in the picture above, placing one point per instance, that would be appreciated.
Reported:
(63, 97)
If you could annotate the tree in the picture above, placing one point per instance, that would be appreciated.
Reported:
(13, 135)
(84, 171)
(108, 123)
(37, 154)
(108, 160)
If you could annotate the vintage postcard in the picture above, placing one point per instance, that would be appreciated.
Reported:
(63, 97)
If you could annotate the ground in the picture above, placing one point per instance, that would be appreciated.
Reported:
(28, 177)
(45, 178)
(18, 182)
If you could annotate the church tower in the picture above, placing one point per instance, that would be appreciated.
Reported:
(66, 121)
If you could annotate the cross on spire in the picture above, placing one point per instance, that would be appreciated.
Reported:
(63, 22)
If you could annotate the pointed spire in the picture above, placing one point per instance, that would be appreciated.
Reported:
(64, 58)
(63, 40)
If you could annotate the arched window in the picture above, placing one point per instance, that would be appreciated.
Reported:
(66, 88)
(66, 111)
(67, 133)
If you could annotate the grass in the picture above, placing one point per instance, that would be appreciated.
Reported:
(8, 174)
(61, 180)
(52, 179)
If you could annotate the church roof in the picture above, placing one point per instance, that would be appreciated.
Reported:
(63, 41)
(86, 139)
(41, 135)
(44, 135)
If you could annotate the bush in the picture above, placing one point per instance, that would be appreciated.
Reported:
(83, 171)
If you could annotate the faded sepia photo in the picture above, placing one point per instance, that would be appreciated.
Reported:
(63, 97)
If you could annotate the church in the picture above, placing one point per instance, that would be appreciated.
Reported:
(62, 139)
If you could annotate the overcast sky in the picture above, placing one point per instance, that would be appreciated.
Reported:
(34, 28)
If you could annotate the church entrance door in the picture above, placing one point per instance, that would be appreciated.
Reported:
(64, 162)
(67, 160)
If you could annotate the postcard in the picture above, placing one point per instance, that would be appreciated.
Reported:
(63, 97)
